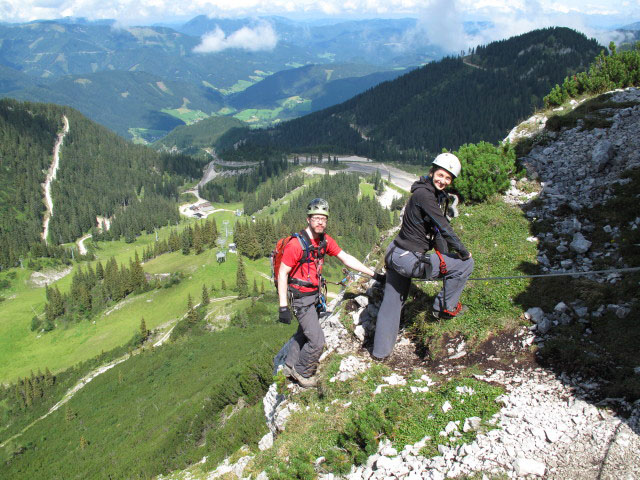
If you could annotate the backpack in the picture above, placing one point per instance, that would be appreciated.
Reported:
(308, 257)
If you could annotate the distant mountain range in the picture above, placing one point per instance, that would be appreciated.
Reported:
(441, 105)
(116, 75)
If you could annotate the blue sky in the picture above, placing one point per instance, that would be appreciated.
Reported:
(440, 20)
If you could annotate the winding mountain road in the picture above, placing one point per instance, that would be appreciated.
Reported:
(51, 175)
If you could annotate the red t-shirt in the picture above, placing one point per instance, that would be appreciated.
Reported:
(307, 272)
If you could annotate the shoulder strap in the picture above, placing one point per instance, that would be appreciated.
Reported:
(303, 238)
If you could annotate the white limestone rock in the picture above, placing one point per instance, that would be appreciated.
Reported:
(526, 466)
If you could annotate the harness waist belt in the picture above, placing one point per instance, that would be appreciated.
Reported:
(298, 294)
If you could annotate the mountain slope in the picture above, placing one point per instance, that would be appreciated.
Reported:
(306, 82)
(124, 100)
(191, 139)
(443, 104)
(99, 173)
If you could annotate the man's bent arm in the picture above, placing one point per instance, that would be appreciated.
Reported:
(353, 263)
(283, 282)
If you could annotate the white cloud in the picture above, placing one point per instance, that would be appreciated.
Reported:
(442, 21)
(149, 11)
(261, 37)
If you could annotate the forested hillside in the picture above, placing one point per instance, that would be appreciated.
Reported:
(442, 105)
(123, 100)
(27, 135)
(309, 82)
(355, 222)
(100, 174)
(143, 81)
(191, 139)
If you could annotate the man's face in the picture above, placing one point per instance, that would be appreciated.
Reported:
(442, 179)
(317, 223)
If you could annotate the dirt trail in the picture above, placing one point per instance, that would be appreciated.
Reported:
(51, 175)
(80, 242)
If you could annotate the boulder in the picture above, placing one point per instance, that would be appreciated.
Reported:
(544, 326)
(601, 154)
(579, 244)
(527, 466)
(534, 314)
(266, 442)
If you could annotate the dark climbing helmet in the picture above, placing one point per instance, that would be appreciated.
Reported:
(318, 206)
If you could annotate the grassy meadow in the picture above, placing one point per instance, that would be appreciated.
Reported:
(22, 350)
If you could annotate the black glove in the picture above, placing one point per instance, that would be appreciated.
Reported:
(380, 277)
(284, 315)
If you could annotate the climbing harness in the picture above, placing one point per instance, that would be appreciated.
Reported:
(443, 265)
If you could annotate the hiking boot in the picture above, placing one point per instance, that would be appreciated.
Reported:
(304, 382)
(446, 314)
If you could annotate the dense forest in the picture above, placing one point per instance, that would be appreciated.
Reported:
(272, 189)
(100, 174)
(442, 105)
(27, 136)
(354, 222)
(235, 188)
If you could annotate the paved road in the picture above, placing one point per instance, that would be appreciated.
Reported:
(399, 178)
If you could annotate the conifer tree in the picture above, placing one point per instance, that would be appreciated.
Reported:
(19, 396)
(223, 285)
(138, 279)
(262, 287)
(28, 394)
(255, 288)
(49, 379)
(143, 329)
(242, 284)
(186, 243)
(192, 315)
(198, 244)
(205, 295)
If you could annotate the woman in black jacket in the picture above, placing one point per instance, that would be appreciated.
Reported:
(424, 227)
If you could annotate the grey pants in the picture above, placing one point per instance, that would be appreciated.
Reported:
(307, 343)
(402, 266)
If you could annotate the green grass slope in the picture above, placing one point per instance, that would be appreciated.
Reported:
(22, 350)
(159, 410)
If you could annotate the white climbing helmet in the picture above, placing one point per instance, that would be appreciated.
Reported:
(449, 162)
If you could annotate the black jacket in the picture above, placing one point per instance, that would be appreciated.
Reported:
(424, 224)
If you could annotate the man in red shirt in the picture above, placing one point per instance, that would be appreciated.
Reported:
(299, 277)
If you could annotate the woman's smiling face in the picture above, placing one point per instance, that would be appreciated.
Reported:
(442, 179)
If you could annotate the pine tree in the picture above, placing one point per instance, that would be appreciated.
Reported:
(255, 288)
(262, 287)
(205, 295)
(49, 379)
(241, 279)
(143, 329)
(198, 244)
(19, 396)
(138, 278)
(192, 315)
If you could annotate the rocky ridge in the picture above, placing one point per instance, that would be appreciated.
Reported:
(549, 425)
